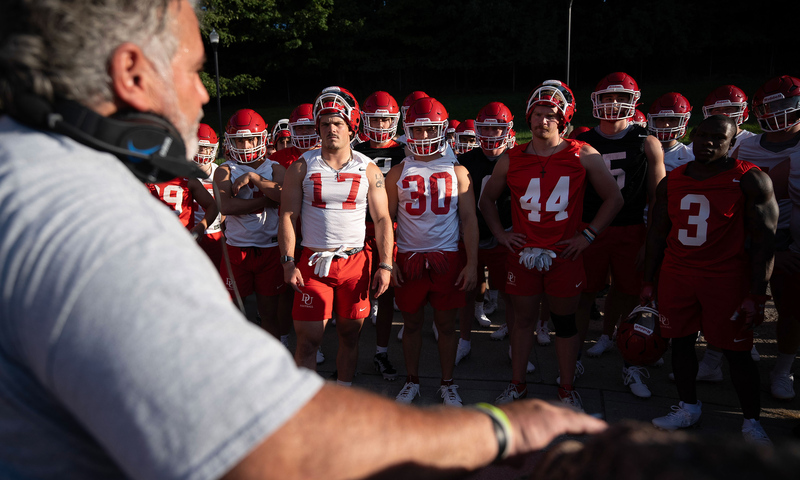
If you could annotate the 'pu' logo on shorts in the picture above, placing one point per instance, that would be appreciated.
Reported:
(512, 280)
(307, 299)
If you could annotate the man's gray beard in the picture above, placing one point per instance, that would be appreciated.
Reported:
(187, 129)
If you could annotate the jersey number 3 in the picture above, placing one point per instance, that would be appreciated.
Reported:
(700, 221)
(557, 201)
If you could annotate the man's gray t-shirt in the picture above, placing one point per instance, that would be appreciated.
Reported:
(121, 354)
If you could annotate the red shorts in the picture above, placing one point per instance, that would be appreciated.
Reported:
(212, 244)
(565, 279)
(438, 289)
(345, 289)
(615, 249)
(689, 304)
(494, 259)
(255, 269)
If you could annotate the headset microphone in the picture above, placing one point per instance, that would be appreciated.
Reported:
(146, 143)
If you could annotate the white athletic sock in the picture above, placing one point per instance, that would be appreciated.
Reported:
(692, 407)
(344, 384)
(379, 349)
(711, 358)
(464, 343)
(783, 363)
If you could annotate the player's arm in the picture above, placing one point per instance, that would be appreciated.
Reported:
(489, 195)
(270, 188)
(229, 204)
(468, 278)
(391, 195)
(384, 237)
(387, 440)
(291, 203)
(761, 222)
(205, 200)
(655, 168)
(656, 243)
(607, 189)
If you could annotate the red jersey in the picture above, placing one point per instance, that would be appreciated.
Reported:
(707, 235)
(546, 194)
(287, 156)
(176, 195)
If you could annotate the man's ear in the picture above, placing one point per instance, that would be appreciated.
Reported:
(133, 78)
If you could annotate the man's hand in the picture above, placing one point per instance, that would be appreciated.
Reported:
(647, 294)
(380, 282)
(467, 279)
(241, 182)
(574, 246)
(536, 423)
(292, 276)
(511, 240)
(752, 308)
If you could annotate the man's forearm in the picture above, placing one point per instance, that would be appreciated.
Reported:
(385, 239)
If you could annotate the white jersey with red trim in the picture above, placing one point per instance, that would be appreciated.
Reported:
(334, 202)
(677, 155)
(751, 150)
(258, 228)
(427, 207)
(208, 183)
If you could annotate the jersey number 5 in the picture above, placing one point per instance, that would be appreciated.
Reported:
(557, 201)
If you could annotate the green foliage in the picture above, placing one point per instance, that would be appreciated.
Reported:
(231, 87)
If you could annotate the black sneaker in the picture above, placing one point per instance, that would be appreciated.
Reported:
(384, 366)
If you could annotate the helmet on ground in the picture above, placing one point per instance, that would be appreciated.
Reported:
(639, 337)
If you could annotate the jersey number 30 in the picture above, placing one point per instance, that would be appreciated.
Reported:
(556, 203)
(440, 204)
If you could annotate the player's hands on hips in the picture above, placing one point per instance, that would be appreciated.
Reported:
(467, 279)
(511, 240)
(292, 276)
(381, 281)
(397, 275)
(647, 295)
(574, 246)
(536, 423)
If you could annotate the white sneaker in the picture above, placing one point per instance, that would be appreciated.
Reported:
(500, 333)
(578, 372)
(450, 396)
(571, 398)
(320, 356)
(435, 332)
(490, 304)
(463, 351)
(528, 368)
(658, 363)
(680, 417)
(510, 394)
(632, 377)
(754, 433)
(400, 333)
(706, 373)
(373, 312)
(755, 355)
(407, 394)
(543, 335)
(483, 320)
(603, 345)
(782, 385)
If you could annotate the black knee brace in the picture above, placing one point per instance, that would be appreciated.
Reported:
(565, 325)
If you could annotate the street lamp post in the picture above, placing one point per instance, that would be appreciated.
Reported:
(569, 37)
(213, 37)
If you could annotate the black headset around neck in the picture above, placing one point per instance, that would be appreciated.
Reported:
(148, 144)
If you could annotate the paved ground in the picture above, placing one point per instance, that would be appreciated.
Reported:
(483, 375)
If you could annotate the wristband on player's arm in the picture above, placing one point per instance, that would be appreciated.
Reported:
(502, 429)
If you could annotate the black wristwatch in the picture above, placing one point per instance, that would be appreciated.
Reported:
(286, 259)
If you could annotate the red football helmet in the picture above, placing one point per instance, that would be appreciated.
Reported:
(494, 114)
(639, 119)
(777, 104)
(303, 115)
(553, 93)
(731, 98)
(281, 129)
(512, 138)
(617, 82)
(670, 105)
(206, 138)
(426, 112)
(451, 133)
(380, 105)
(246, 123)
(639, 337)
(337, 100)
(410, 99)
(466, 137)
